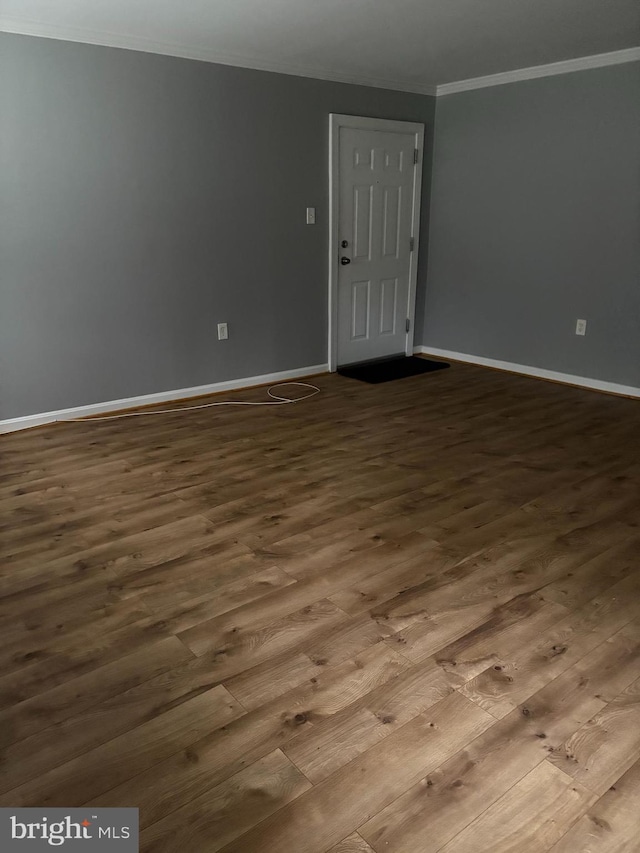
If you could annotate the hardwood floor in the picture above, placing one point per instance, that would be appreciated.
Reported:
(401, 618)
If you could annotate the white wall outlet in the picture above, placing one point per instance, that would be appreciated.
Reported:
(581, 327)
(311, 216)
(223, 331)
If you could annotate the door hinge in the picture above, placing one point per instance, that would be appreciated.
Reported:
(408, 324)
(412, 244)
(416, 154)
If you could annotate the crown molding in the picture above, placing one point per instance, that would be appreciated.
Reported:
(144, 45)
(583, 63)
(202, 54)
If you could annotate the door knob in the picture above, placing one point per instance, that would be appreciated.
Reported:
(345, 261)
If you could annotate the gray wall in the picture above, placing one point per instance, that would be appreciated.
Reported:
(144, 199)
(535, 222)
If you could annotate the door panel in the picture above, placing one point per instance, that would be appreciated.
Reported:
(388, 305)
(391, 221)
(360, 310)
(362, 222)
(376, 175)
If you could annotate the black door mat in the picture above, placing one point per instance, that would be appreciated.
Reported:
(387, 369)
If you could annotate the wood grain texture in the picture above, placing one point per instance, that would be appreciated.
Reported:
(339, 804)
(605, 746)
(612, 825)
(532, 815)
(431, 813)
(353, 844)
(390, 619)
(222, 813)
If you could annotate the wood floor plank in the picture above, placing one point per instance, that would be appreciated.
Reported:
(206, 635)
(532, 816)
(471, 781)
(262, 683)
(352, 844)
(203, 573)
(182, 615)
(594, 576)
(117, 761)
(78, 734)
(612, 825)
(333, 742)
(501, 688)
(123, 556)
(218, 816)
(346, 640)
(334, 808)
(430, 569)
(606, 746)
(492, 577)
(87, 524)
(513, 625)
(40, 662)
(306, 554)
(222, 753)
(75, 696)
(244, 620)
(234, 650)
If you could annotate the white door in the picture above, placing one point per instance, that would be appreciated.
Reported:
(377, 176)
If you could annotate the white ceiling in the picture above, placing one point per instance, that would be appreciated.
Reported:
(405, 44)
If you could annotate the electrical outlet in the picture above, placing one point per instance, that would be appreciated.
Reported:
(311, 216)
(223, 331)
(581, 327)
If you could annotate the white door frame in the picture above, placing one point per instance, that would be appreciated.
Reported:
(336, 121)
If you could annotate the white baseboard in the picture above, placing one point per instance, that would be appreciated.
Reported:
(538, 372)
(14, 424)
